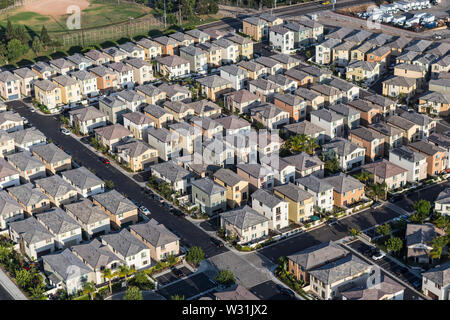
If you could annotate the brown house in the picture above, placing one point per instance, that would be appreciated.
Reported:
(436, 156)
(121, 211)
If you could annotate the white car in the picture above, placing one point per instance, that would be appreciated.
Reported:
(65, 132)
(378, 255)
(144, 210)
(25, 121)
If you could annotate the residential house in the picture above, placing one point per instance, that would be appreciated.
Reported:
(209, 196)
(435, 282)
(137, 155)
(393, 137)
(348, 90)
(27, 139)
(441, 85)
(324, 51)
(332, 122)
(125, 76)
(179, 178)
(370, 140)
(300, 202)
(246, 224)
(57, 189)
(188, 136)
(34, 240)
(269, 115)
(321, 191)
(98, 257)
(272, 207)
(319, 75)
(315, 29)
(159, 115)
(229, 50)
(121, 211)
(98, 57)
(205, 108)
(314, 100)
(26, 78)
(183, 39)
(282, 39)
(419, 239)
(245, 46)
(305, 128)
(273, 66)
(85, 182)
(426, 124)
(342, 53)
(111, 136)
(441, 65)
(387, 172)
(48, 94)
(241, 101)
(10, 121)
(70, 89)
(234, 125)
(258, 176)
(263, 88)
(29, 166)
(435, 103)
(133, 102)
(255, 70)
(133, 50)
(213, 54)
(348, 154)
(369, 112)
(197, 57)
(92, 219)
(436, 156)
(399, 87)
(137, 123)
(387, 105)
(198, 35)
(87, 82)
(80, 61)
(107, 79)
(128, 248)
(306, 164)
(66, 271)
(30, 198)
(411, 131)
(164, 141)
(66, 230)
(142, 70)
(10, 210)
(413, 161)
(442, 202)
(43, 70)
(346, 190)
(286, 84)
(255, 27)
(162, 242)
(213, 87)
(381, 55)
(152, 94)
(237, 187)
(115, 54)
(360, 52)
(301, 33)
(362, 71)
(173, 66)
(351, 116)
(168, 45)
(151, 48)
(331, 95)
(293, 104)
(412, 71)
(87, 119)
(237, 76)
(209, 127)
(6, 143)
(62, 66)
(9, 176)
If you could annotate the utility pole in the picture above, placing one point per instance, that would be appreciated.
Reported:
(165, 15)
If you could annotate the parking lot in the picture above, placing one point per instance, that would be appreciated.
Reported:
(189, 287)
(269, 290)
(171, 276)
(392, 267)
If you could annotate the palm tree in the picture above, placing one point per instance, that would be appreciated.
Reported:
(379, 190)
(122, 272)
(296, 143)
(311, 145)
(364, 176)
(89, 288)
(107, 274)
(438, 244)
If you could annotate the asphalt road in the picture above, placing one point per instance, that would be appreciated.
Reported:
(363, 220)
(50, 126)
(4, 295)
(290, 11)
(429, 194)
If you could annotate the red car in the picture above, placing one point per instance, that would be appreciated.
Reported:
(104, 160)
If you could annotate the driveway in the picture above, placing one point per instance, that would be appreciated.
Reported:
(189, 287)
(269, 291)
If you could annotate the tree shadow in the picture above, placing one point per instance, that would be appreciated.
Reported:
(107, 44)
(155, 33)
(24, 63)
(58, 54)
(123, 40)
(75, 49)
(42, 58)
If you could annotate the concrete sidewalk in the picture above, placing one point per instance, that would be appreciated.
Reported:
(10, 287)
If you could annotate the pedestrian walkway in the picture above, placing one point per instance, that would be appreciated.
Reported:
(10, 287)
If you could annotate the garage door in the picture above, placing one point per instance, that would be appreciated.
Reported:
(43, 253)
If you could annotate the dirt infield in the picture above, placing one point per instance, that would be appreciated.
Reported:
(54, 7)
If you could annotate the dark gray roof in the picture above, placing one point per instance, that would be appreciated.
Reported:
(345, 267)
(86, 212)
(134, 148)
(305, 127)
(149, 90)
(227, 176)
(51, 153)
(124, 243)
(234, 70)
(130, 96)
(426, 147)
(263, 84)
(315, 71)
(366, 134)
(155, 233)
(344, 109)
(439, 274)
(267, 62)
(363, 105)
(171, 61)
(385, 129)
(266, 197)
(138, 118)
(313, 183)
(244, 217)
(306, 94)
(250, 65)
(296, 74)
(171, 171)
(156, 111)
(114, 202)
(27, 194)
(82, 75)
(293, 192)
(408, 154)
(279, 79)
(380, 100)
(417, 118)
(27, 135)
(180, 36)
(162, 134)
(400, 122)
(25, 161)
(8, 204)
(6, 169)
(443, 197)
(267, 111)
(192, 50)
(384, 169)
(420, 233)
(113, 132)
(57, 221)
(254, 169)
(65, 264)
(95, 254)
(31, 230)
(55, 186)
(87, 113)
(341, 84)
(318, 255)
(303, 161)
(342, 147)
(208, 186)
(213, 81)
(327, 115)
(344, 183)
(82, 178)
(435, 96)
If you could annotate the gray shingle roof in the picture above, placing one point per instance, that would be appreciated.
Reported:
(254, 169)
(86, 114)
(384, 169)
(345, 267)
(263, 84)
(344, 110)
(86, 212)
(113, 132)
(95, 254)
(227, 176)
(305, 127)
(114, 202)
(31, 230)
(232, 122)
(417, 118)
(420, 233)
(8, 204)
(266, 198)
(234, 70)
(344, 183)
(303, 161)
(130, 96)
(437, 97)
(293, 192)
(63, 264)
(202, 106)
(439, 274)
(400, 122)
(65, 81)
(171, 61)
(213, 81)
(124, 243)
(408, 154)
(138, 118)
(327, 115)
(318, 255)
(57, 221)
(28, 135)
(82, 75)
(366, 134)
(25, 161)
(162, 134)
(134, 148)
(45, 85)
(341, 147)
(267, 62)
(250, 65)
(54, 186)
(306, 94)
(155, 233)
(288, 98)
(149, 90)
(82, 178)
(443, 197)
(426, 147)
(280, 80)
(27, 194)
(244, 217)
(156, 111)
(208, 186)
(267, 111)
(10, 116)
(313, 183)
(171, 171)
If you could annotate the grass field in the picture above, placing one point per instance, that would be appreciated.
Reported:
(98, 13)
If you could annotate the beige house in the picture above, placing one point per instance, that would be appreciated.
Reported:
(385, 171)
(158, 238)
(112, 135)
(32, 199)
(121, 211)
(57, 189)
(301, 202)
(237, 187)
(70, 89)
(246, 224)
(213, 87)
(413, 71)
(137, 123)
(160, 116)
(87, 119)
(209, 196)
(137, 155)
(399, 86)
(26, 77)
(410, 130)
(245, 46)
(53, 157)
(6, 143)
(151, 48)
(9, 86)
(151, 93)
(48, 93)
(142, 70)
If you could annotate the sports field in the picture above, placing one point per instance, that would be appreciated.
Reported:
(53, 13)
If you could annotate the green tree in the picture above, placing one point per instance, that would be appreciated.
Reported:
(109, 184)
(332, 165)
(36, 45)
(379, 190)
(187, 8)
(141, 280)
(45, 38)
(384, 229)
(133, 293)
(177, 297)
(108, 275)
(24, 278)
(89, 288)
(202, 6)
(364, 176)
(442, 222)
(195, 255)
(438, 245)
(225, 277)
(213, 7)
(422, 208)
(9, 31)
(16, 49)
(354, 232)
(37, 292)
(394, 244)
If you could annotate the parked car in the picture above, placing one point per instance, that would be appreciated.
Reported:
(144, 210)
(177, 272)
(217, 242)
(378, 255)
(104, 160)
(25, 120)
(178, 213)
(286, 292)
(65, 132)
(332, 221)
